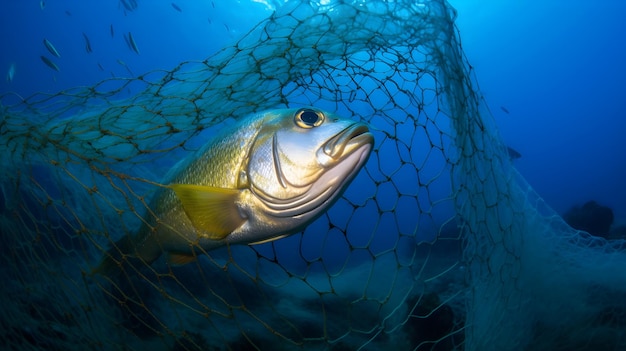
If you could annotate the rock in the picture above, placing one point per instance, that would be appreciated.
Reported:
(432, 325)
(592, 218)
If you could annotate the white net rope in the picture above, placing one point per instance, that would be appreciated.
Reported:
(438, 244)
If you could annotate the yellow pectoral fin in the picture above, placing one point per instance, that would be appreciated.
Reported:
(212, 210)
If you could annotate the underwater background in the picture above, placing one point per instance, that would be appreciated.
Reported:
(556, 67)
(551, 74)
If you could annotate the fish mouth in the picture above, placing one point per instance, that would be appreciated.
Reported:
(344, 143)
(342, 156)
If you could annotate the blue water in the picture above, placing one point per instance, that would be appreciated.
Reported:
(557, 68)
(551, 74)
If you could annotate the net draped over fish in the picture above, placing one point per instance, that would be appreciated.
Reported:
(438, 244)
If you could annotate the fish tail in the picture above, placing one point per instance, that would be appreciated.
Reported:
(128, 254)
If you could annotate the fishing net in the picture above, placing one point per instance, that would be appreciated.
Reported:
(438, 244)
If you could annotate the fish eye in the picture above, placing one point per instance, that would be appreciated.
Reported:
(308, 118)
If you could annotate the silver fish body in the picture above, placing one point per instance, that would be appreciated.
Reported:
(50, 64)
(87, 43)
(11, 72)
(266, 177)
(131, 43)
(51, 48)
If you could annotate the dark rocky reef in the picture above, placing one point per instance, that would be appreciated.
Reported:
(591, 217)
(433, 325)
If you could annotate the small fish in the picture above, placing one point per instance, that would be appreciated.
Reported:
(68, 13)
(11, 72)
(513, 154)
(504, 109)
(100, 66)
(87, 43)
(209, 19)
(131, 43)
(112, 32)
(42, 4)
(129, 5)
(176, 7)
(126, 40)
(122, 63)
(51, 48)
(262, 179)
(50, 63)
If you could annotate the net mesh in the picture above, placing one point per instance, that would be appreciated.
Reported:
(438, 244)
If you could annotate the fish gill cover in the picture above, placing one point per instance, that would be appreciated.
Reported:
(437, 244)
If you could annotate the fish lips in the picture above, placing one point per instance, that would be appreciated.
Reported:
(353, 138)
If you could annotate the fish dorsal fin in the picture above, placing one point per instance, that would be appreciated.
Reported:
(211, 210)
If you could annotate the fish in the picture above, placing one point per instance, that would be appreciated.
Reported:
(129, 5)
(51, 48)
(176, 7)
(504, 109)
(11, 72)
(131, 43)
(513, 154)
(42, 4)
(87, 43)
(122, 63)
(112, 32)
(262, 179)
(49, 63)
(126, 40)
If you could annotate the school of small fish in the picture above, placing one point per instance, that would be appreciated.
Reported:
(126, 5)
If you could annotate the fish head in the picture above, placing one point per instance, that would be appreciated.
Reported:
(303, 159)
